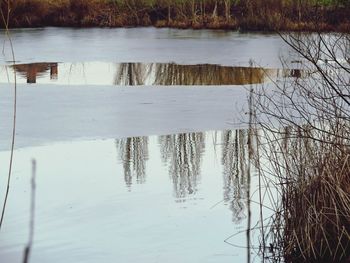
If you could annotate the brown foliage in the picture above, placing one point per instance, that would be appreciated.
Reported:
(224, 14)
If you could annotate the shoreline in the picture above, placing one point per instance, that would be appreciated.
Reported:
(306, 28)
(254, 16)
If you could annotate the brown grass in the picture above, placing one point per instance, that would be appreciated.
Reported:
(316, 211)
(246, 15)
(305, 150)
(312, 215)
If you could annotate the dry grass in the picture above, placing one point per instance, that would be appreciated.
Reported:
(223, 14)
(304, 154)
(312, 223)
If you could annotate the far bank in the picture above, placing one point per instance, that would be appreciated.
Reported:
(257, 15)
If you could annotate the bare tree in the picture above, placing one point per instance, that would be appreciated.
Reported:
(303, 150)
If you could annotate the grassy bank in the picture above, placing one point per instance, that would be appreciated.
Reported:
(309, 15)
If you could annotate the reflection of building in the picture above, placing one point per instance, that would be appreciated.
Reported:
(133, 152)
(183, 154)
(32, 71)
(234, 154)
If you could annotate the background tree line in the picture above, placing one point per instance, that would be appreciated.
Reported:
(234, 14)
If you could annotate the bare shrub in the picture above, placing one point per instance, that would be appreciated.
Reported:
(304, 146)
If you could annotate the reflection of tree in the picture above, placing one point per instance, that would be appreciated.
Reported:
(235, 181)
(206, 74)
(183, 154)
(130, 74)
(133, 152)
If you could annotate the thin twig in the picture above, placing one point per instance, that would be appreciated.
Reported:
(14, 119)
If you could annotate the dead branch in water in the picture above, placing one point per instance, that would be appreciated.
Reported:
(32, 214)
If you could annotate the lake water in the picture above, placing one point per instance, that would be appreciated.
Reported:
(140, 143)
(171, 198)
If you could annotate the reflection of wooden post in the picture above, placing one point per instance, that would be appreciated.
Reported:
(31, 73)
(130, 74)
(53, 71)
(169, 12)
(296, 73)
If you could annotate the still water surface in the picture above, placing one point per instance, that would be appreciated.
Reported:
(145, 45)
(111, 185)
(140, 74)
(171, 198)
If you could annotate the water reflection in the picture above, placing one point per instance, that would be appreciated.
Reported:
(183, 154)
(136, 74)
(234, 175)
(154, 209)
(131, 74)
(172, 74)
(133, 153)
(34, 70)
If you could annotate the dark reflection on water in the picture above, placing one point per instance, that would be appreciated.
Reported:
(182, 153)
(131, 74)
(235, 180)
(34, 70)
(138, 74)
(173, 74)
(133, 152)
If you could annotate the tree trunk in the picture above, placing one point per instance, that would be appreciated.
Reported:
(227, 10)
(169, 13)
(215, 11)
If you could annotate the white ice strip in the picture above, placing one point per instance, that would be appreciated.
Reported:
(50, 113)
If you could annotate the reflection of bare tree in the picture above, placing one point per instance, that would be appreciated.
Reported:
(183, 154)
(205, 74)
(235, 181)
(133, 152)
(131, 74)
